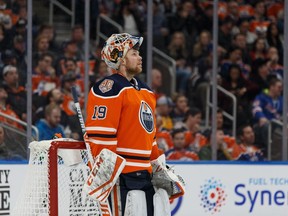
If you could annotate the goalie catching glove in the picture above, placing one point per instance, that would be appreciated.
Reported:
(164, 177)
(104, 174)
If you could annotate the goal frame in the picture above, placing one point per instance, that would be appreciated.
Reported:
(53, 170)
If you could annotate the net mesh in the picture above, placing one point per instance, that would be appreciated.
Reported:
(34, 200)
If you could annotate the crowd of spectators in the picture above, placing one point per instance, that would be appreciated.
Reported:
(250, 66)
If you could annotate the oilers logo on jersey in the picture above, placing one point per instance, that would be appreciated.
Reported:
(146, 117)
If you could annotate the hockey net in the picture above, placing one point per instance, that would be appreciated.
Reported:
(55, 176)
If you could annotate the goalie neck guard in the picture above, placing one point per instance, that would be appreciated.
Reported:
(116, 47)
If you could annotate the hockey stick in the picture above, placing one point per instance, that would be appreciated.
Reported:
(104, 206)
(81, 120)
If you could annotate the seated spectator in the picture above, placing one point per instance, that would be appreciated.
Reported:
(20, 27)
(6, 109)
(184, 21)
(221, 122)
(163, 136)
(259, 50)
(259, 77)
(191, 124)
(70, 64)
(156, 82)
(180, 108)
(19, 48)
(275, 68)
(70, 50)
(239, 40)
(259, 22)
(41, 47)
(244, 28)
(234, 57)
(129, 17)
(225, 33)
(163, 108)
(50, 125)
(267, 106)
(48, 31)
(248, 150)
(77, 35)
(16, 93)
(54, 96)
(205, 152)
(239, 87)
(177, 49)
(180, 151)
(274, 40)
(203, 46)
(44, 77)
(8, 57)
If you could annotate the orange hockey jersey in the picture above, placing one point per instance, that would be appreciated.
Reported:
(120, 117)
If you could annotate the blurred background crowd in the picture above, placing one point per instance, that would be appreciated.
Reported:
(250, 72)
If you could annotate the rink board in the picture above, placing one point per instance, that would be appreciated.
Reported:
(222, 189)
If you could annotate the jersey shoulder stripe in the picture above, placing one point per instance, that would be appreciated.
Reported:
(110, 86)
(114, 84)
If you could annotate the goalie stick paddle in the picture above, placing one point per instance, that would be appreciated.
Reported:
(81, 120)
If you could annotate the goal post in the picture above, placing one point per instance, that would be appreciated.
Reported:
(55, 176)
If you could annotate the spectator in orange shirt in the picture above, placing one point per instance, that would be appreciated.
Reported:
(259, 22)
(180, 152)
(44, 78)
(191, 123)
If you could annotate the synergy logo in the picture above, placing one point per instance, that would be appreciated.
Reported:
(212, 195)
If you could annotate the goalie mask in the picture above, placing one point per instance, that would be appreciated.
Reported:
(117, 46)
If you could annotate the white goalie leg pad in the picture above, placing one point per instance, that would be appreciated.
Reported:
(104, 174)
(164, 177)
(161, 203)
(135, 203)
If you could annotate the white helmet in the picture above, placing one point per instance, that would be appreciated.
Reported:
(117, 46)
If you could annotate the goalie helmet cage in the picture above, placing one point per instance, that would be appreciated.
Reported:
(55, 176)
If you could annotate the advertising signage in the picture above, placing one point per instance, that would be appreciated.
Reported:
(211, 189)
